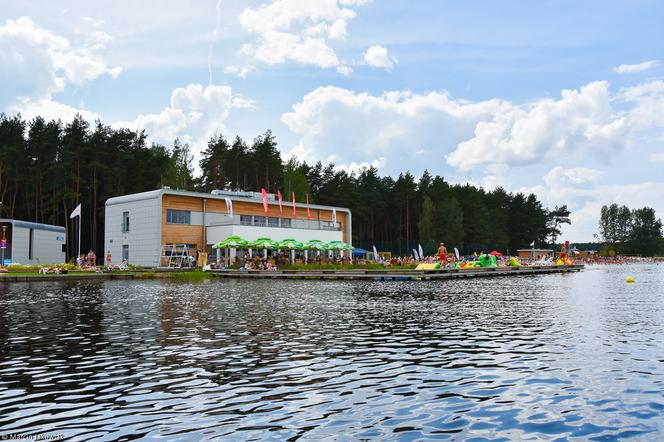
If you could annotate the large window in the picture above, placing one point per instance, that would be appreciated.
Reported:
(125, 252)
(125, 222)
(259, 220)
(285, 222)
(178, 216)
(273, 222)
(246, 220)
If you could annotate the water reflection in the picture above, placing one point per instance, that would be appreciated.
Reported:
(554, 356)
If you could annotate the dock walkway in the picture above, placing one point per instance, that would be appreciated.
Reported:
(395, 275)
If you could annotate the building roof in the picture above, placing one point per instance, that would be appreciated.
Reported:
(31, 225)
(238, 196)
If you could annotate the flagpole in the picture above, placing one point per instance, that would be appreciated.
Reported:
(79, 235)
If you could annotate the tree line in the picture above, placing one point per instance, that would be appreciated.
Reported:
(48, 167)
(630, 231)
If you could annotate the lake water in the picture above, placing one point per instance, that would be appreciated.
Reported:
(551, 357)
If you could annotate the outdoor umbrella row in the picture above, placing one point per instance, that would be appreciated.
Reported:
(236, 242)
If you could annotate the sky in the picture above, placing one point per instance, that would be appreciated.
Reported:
(561, 98)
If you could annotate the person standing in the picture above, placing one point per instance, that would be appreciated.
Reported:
(109, 258)
(442, 253)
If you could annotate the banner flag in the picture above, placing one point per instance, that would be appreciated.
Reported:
(375, 253)
(76, 212)
(294, 207)
(308, 212)
(229, 206)
(417, 258)
(281, 209)
(334, 216)
(456, 253)
(264, 199)
(419, 249)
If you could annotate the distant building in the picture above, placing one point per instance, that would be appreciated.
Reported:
(528, 253)
(143, 227)
(32, 243)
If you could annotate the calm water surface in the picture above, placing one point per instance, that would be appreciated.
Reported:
(553, 357)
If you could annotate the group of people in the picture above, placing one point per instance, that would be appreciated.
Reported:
(87, 259)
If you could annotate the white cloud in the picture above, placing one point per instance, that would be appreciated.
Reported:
(354, 167)
(299, 31)
(49, 59)
(377, 56)
(239, 71)
(523, 134)
(193, 114)
(559, 176)
(632, 68)
(657, 157)
(50, 110)
(345, 126)
(38, 64)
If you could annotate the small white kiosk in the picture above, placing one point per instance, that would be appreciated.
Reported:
(31, 243)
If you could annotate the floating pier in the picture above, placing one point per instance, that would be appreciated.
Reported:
(395, 275)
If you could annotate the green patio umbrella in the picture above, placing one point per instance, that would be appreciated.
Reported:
(264, 243)
(315, 244)
(233, 241)
(338, 245)
(291, 244)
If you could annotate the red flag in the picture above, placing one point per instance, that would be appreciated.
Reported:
(308, 212)
(264, 200)
(294, 207)
(281, 210)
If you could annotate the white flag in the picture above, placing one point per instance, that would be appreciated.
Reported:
(421, 252)
(229, 206)
(532, 244)
(76, 212)
(456, 253)
(417, 258)
(334, 216)
(375, 253)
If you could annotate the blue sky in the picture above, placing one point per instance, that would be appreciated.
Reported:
(559, 98)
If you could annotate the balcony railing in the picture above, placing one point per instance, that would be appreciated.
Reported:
(287, 223)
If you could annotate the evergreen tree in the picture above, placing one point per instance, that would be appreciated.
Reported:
(425, 225)
(212, 164)
(646, 231)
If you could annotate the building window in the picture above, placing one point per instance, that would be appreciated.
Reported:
(31, 242)
(285, 222)
(259, 220)
(125, 222)
(246, 220)
(125, 252)
(178, 216)
(273, 222)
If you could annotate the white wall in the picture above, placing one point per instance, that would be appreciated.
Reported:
(46, 247)
(251, 233)
(144, 236)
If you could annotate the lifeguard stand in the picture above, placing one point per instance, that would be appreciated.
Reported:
(177, 256)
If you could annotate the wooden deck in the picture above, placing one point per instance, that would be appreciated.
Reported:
(395, 275)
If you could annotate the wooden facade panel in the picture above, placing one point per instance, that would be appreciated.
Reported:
(187, 234)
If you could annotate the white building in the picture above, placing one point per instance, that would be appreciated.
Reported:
(32, 243)
(141, 227)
